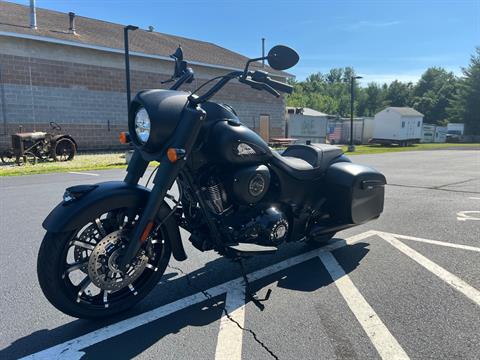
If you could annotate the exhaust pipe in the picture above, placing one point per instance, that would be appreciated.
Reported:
(33, 15)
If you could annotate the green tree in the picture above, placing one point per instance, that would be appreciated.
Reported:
(398, 94)
(433, 94)
(374, 98)
(465, 105)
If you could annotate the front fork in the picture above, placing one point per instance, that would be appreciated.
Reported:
(183, 140)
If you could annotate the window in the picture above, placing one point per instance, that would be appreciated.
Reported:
(418, 124)
(403, 124)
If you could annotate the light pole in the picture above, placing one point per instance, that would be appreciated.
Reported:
(126, 29)
(351, 147)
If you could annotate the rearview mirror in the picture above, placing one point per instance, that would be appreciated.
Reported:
(282, 57)
(180, 65)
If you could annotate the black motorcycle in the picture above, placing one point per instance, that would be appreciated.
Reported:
(108, 244)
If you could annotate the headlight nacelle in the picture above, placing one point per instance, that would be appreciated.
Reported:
(154, 116)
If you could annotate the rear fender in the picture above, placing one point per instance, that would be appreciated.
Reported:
(69, 216)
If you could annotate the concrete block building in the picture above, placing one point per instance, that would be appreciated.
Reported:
(70, 69)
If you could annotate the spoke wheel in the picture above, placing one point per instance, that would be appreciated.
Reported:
(78, 271)
(64, 150)
(7, 157)
(30, 158)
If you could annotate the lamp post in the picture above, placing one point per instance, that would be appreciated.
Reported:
(351, 147)
(127, 61)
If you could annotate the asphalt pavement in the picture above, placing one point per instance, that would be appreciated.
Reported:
(404, 286)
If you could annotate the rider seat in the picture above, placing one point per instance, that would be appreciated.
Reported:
(307, 162)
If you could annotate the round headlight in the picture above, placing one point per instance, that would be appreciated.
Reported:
(142, 125)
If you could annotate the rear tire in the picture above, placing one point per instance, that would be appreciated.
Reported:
(58, 287)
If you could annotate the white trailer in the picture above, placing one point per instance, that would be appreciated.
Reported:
(455, 128)
(307, 124)
(440, 134)
(362, 130)
(428, 135)
(398, 125)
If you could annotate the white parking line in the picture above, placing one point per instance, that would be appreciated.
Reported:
(452, 280)
(386, 345)
(230, 336)
(71, 349)
(433, 242)
(83, 173)
(468, 215)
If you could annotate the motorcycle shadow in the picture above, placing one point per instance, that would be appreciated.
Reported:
(192, 322)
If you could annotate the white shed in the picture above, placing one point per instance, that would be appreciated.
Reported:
(398, 125)
(307, 124)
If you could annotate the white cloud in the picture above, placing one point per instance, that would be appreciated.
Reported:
(388, 78)
(370, 24)
(372, 75)
(410, 76)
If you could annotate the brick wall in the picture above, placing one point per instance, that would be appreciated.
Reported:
(89, 101)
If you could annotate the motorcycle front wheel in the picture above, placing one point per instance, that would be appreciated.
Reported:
(77, 270)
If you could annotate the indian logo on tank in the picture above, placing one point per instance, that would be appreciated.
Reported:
(245, 150)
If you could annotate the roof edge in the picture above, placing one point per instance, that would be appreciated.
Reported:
(117, 51)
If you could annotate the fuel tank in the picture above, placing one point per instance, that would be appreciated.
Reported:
(225, 140)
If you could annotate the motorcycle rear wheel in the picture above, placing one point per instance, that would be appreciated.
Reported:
(84, 298)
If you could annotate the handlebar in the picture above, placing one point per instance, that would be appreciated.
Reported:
(262, 76)
(186, 77)
(258, 80)
(260, 86)
(277, 85)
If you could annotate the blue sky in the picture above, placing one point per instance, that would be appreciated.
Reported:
(382, 40)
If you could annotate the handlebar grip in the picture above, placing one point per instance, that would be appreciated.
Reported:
(277, 85)
(270, 90)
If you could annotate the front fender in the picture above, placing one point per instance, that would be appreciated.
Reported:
(107, 196)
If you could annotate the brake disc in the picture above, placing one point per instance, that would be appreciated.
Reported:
(102, 265)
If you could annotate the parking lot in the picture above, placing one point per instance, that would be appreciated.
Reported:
(404, 286)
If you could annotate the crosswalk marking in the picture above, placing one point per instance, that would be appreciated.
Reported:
(386, 345)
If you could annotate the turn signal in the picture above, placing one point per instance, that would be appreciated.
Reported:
(175, 154)
(124, 137)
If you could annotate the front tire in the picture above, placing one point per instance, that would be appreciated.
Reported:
(84, 298)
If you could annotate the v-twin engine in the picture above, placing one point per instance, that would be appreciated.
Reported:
(263, 224)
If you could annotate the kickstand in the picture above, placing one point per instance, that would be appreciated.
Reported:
(251, 295)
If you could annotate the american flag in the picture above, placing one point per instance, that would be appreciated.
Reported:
(334, 133)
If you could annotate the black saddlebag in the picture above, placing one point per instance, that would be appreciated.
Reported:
(355, 193)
